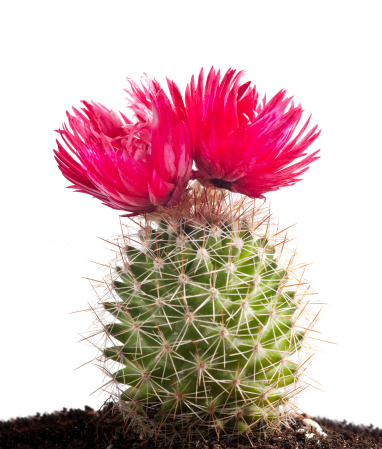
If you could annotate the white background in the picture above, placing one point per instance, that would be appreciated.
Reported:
(56, 53)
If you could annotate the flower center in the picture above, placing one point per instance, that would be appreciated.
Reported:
(221, 183)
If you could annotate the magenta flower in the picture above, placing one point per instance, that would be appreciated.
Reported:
(134, 167)
(241, 145)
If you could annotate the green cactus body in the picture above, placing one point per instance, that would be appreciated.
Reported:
(203, 327)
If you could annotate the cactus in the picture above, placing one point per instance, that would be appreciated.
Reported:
(202, 323)
(200, 311)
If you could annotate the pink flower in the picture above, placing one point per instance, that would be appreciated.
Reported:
(241, 145)
(134, 167)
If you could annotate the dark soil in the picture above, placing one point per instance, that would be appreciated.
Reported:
(88, 429)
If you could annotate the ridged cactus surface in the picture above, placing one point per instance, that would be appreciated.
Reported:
(203, 326)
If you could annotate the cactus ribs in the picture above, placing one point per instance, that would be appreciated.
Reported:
(202, 321)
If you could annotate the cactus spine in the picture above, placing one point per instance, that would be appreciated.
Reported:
(199, 317)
